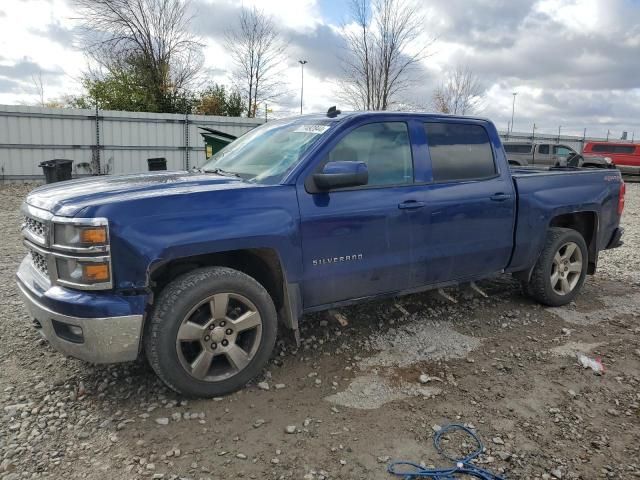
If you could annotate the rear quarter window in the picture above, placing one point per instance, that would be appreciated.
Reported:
(517, 148)
(605, 148)
(459, 152)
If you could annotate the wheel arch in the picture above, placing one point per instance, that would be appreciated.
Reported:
(585, 223)
(262, 264)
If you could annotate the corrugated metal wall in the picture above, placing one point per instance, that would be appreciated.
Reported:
(125, 140)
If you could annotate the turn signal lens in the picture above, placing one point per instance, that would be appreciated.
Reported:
(95, 272)
(94, 235)
(623, 190)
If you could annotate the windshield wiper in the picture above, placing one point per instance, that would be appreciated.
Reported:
(219, 171)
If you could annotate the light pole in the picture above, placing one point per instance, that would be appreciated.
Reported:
(302, 64)
(513, 109)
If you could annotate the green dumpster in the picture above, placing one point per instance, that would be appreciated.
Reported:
(215, 140)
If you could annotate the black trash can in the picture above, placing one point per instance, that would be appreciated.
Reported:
(156, 164)
(56, 170)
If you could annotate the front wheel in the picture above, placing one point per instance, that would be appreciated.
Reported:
(561, 268)
(211, 331)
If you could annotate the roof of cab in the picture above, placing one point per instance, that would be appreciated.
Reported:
(385, 113)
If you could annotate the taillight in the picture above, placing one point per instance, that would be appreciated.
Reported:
(623, 190)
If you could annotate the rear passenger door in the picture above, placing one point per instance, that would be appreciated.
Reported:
(466, 227)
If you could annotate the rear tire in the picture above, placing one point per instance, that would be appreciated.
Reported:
(560, 270)
(211, 331)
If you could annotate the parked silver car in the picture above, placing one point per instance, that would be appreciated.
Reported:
(527, 153)
(549, 154)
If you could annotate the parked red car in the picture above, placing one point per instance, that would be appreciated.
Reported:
(626, 156)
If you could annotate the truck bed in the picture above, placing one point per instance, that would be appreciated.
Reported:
(543, 194)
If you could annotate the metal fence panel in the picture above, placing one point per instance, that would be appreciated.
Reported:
(123, 140)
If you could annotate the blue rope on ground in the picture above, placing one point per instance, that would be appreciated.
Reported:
(411, 471)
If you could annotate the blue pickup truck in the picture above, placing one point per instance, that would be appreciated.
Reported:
(198, 269)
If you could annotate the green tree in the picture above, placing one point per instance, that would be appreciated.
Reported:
(217, 100)
(126, 88)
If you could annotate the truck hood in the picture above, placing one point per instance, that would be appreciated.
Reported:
(69, 198)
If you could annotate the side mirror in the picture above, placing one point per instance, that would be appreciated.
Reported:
(341, 175)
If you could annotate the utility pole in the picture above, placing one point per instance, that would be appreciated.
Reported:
(633, 136)
(533, 132)
(559, 130)
(608, 133)
(584, 137)
(302, 64)
(513, 109)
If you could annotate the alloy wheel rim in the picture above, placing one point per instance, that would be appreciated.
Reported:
(219, 337)
(566, 268)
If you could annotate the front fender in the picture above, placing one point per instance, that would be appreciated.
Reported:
(147, 233)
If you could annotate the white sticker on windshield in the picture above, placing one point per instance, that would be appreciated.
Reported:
(315, 129)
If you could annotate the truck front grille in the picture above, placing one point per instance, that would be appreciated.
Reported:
(36, 227)
(40, 262)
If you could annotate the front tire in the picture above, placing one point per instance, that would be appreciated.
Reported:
(560, 270)
(211, 331)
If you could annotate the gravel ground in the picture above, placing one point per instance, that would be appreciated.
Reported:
(352, 397)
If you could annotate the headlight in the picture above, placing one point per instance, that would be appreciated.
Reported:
(79, 237)
(608, 159)
(90, 271)
(81, 253)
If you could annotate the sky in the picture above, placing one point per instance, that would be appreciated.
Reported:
(574, 64)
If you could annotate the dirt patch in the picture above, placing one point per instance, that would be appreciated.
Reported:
(504, 365)
(418, 341)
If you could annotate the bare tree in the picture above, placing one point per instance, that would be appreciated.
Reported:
(460, 93)
(39, 86)
(384, 44)
(257, 50)
(149, 37)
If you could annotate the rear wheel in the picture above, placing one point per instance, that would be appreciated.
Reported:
(561, 268)
(211, 331)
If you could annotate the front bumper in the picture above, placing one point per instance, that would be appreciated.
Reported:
(109, 339)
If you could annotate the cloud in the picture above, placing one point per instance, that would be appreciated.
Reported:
(9, 86)
(321, 47)
(24, 69)
(572, 62)
(213, 20)
(485, 23)
(58, 33)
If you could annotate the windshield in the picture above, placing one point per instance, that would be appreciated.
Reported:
(266, 154)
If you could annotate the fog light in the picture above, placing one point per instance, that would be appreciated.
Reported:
(68, 332)
(75, 330)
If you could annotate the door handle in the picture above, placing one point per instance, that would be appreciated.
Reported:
(499, 197)
(411, 204)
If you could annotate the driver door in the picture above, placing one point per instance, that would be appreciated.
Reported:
(356, 242)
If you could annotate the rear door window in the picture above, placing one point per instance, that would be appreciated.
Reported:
(543, 149)
(459, 152)
(517, 148)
